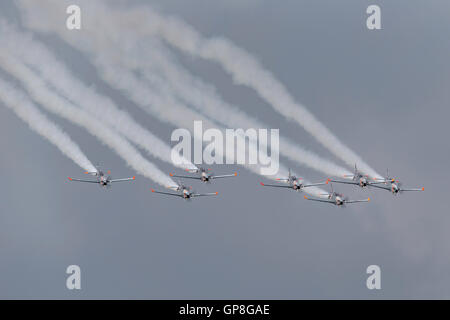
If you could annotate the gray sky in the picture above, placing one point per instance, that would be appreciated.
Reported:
(383, 93)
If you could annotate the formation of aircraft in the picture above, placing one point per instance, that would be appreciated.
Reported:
(292, 183)
(357, 179)
(102, 179)
(184, 192)
(203, 174)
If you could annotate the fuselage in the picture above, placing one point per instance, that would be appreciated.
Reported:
(186, 194)
(363, 182)
(339, 201)
(394, 188)
(296, 185)
(205, 176)
(102, 179)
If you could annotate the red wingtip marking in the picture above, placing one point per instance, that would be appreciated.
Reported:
(368, 199)
(171, 174)
(134, 178)
(278, 179)
(187, 170)
(217, 193)
(69, 178)
(262, 183)
(86, 172)
(235, 173)
(153, 190)
(305, 197)
(423, 188)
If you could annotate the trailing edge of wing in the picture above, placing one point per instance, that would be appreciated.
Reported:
(122, 180)
(80, 180)
(314, 184)
(380, 187)
(204, 194)
(355, 201)
(225, 176)
(167, 193)
(421, 189)
(186, 177)
(319, 200)
(274, 185)
(346, 182)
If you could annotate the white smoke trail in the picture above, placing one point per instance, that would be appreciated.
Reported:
(154, 60)
(165, 108)
(54, 72)
(64, 108)
(243, 67)
(16, 100)
(245, 70)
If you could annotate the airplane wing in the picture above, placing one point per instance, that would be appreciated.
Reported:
(204, 194)
(355, 201)
(225, 176)
(274, 185)
(314, 184)
(186, 177)
(320, 200)
(421, 189)
(381, 187)
(80, 180)
(121, 180)
(346, 182)
(168, 193)
(376, 182)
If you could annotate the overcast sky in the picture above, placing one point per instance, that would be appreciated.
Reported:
(383, 93)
